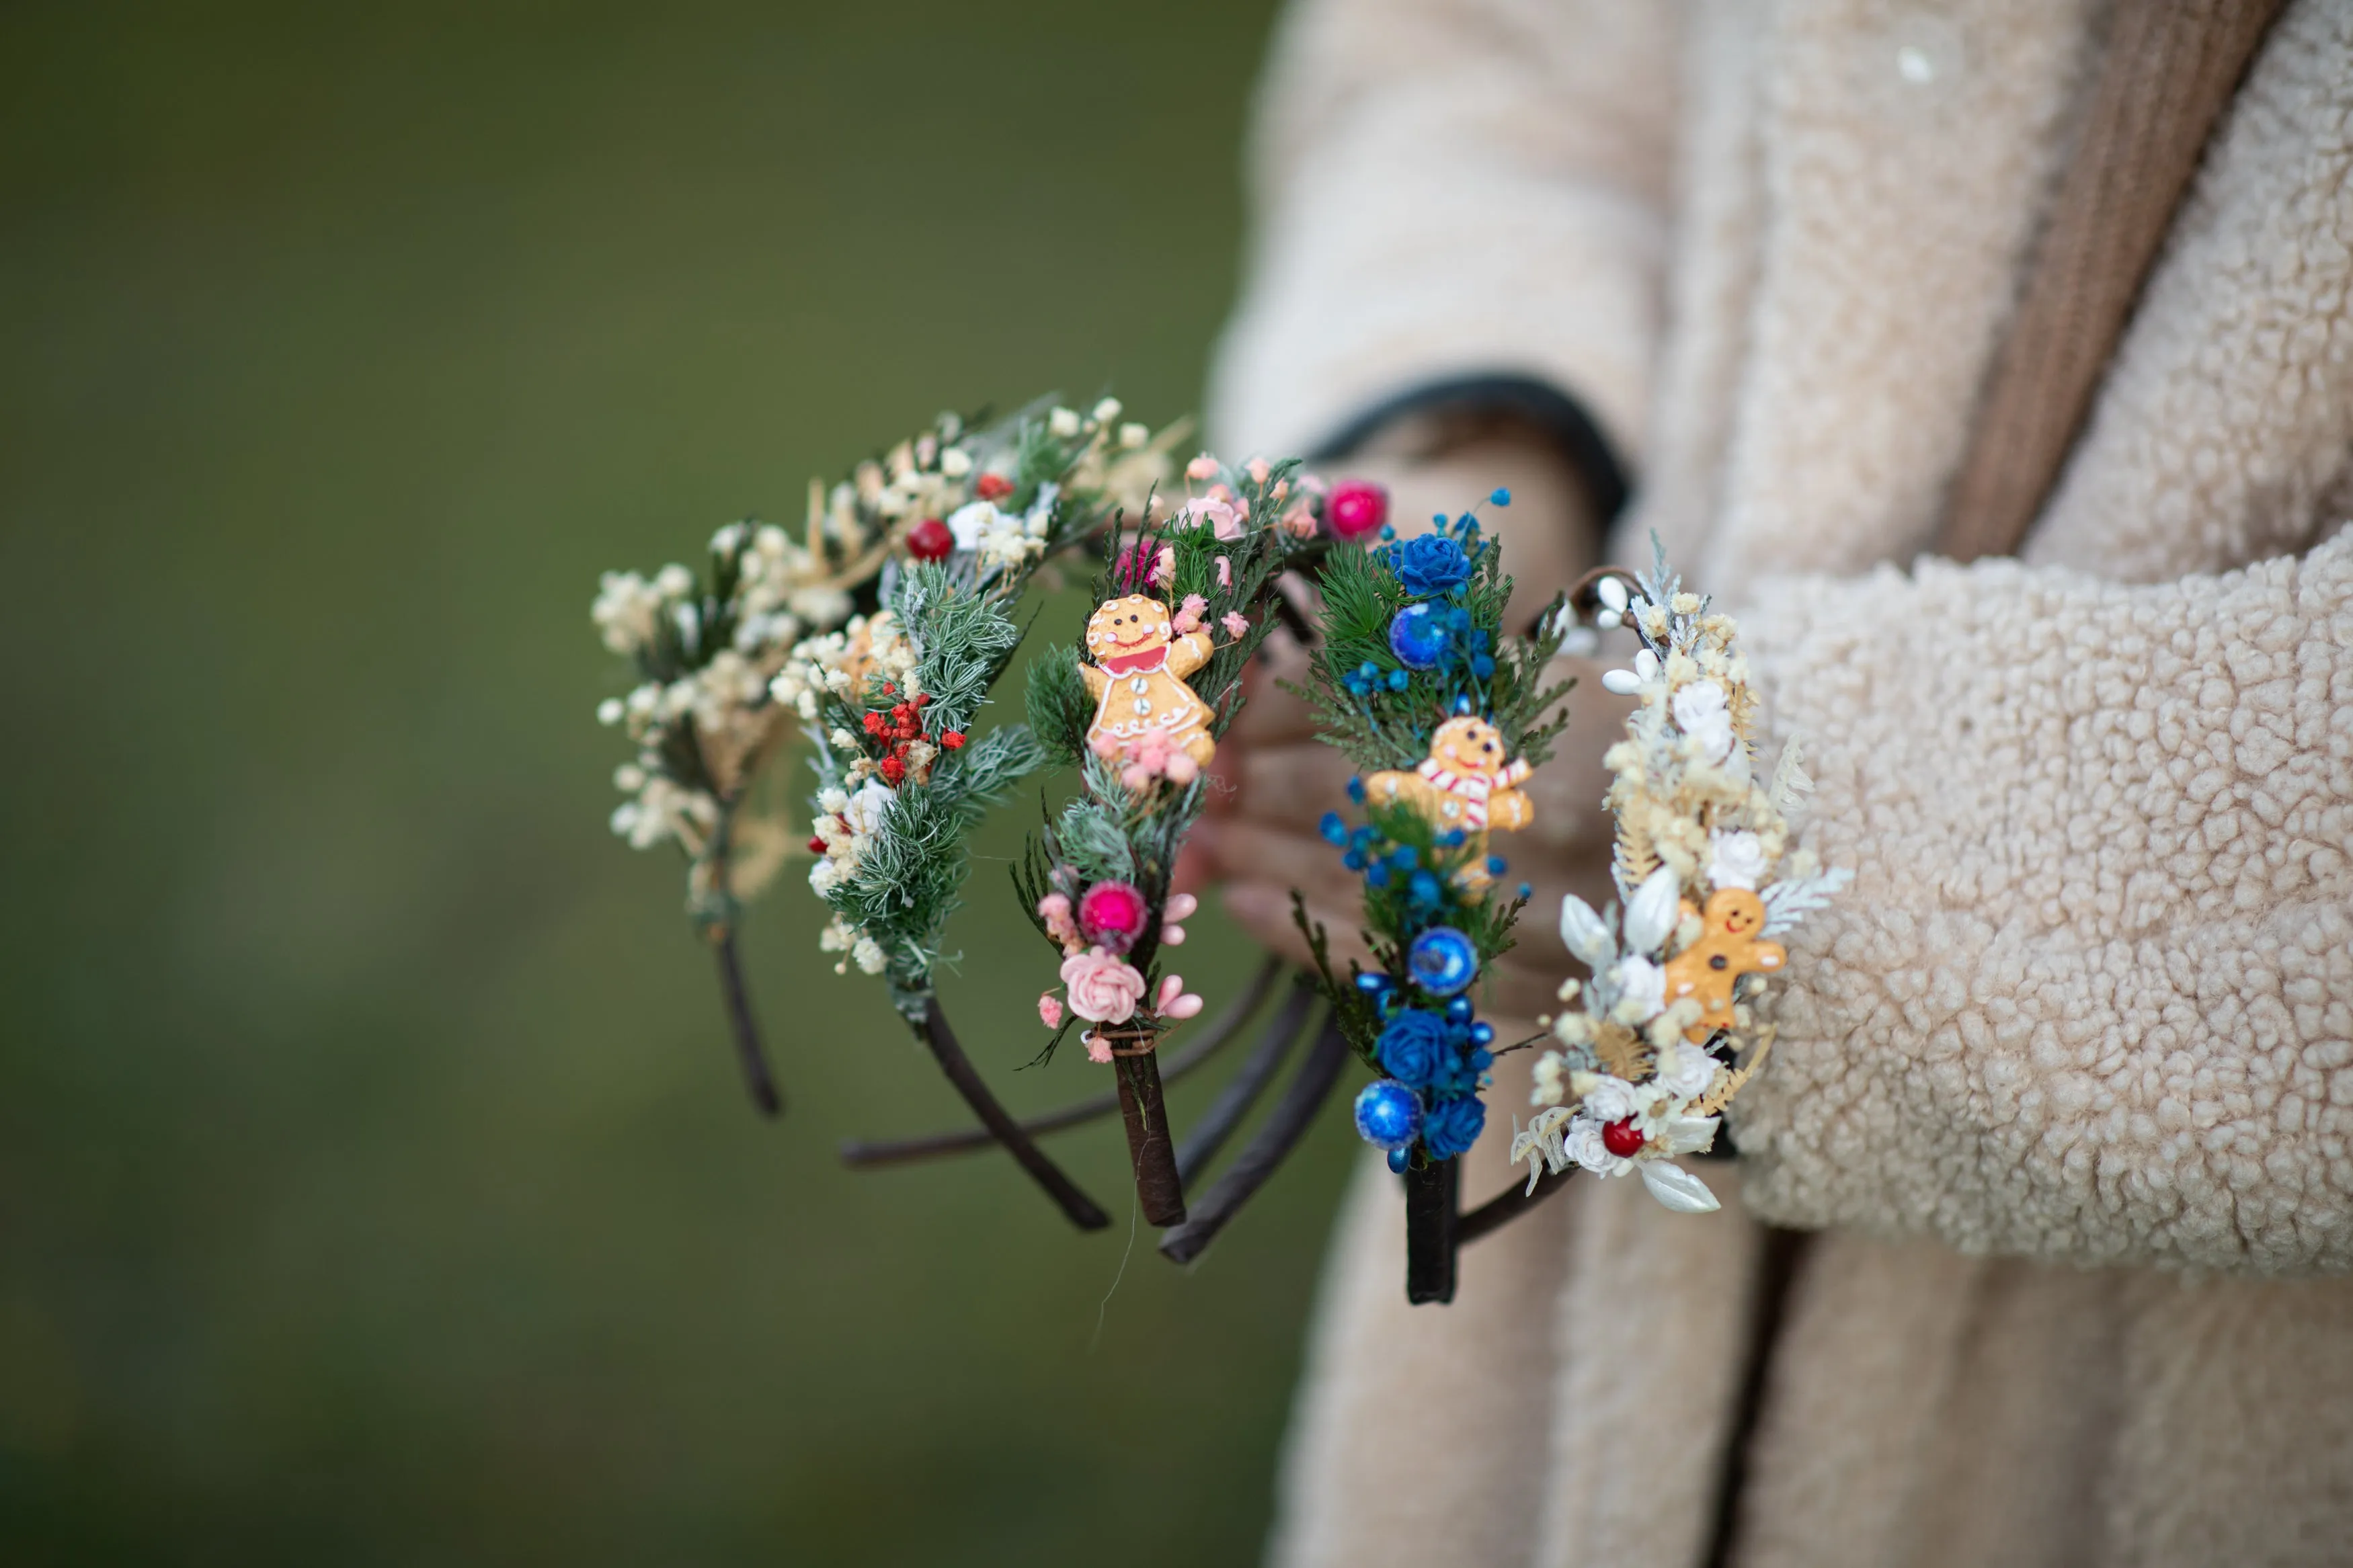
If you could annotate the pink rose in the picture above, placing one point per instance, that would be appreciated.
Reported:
(1223, 519)
(1050, 1009)
(1103, 989)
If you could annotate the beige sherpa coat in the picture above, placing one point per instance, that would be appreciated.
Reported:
(2067, 1077)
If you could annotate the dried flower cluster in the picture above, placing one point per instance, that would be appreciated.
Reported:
(1184, 605)
(1644, 1061)
(772, 629)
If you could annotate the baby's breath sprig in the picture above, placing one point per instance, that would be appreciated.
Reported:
(1651, 1048)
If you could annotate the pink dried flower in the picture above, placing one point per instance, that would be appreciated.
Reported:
(1356, 509)
(1235, 624)
(1098, 1049)
(1188, 619)
(1103, 989)
(1204, 466)
(1225, 577)
(1175, 1001)
(1180, 768)
(1050, 1009)
(1054, 908)
(1113, 914)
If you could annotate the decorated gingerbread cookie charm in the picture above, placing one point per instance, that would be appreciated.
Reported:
(1727, 949)
(1137, 680)
(1465, 782)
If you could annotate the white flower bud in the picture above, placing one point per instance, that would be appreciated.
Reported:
(1651, 913)
(1611, 592)
(1107, 410)
(954, 463)
(610, 712)
(1624, 682)
(1132, 437)
(1584, 933)
(673, 580)
(1062, 422)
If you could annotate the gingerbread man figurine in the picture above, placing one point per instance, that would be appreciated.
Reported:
(1464, 783)
(1138, 679)
(1727, 949)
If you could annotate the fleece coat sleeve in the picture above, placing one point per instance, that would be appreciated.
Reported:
(1464, 187)
(2091, 995)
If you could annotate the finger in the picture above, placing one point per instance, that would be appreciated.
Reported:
(1245, 851)
(1271, 714)
(1263, 910)
(1196, 866)
(1294, 784)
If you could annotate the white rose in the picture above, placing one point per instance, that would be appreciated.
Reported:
(1735, 859)
(1700, 712)
(865, 808)
(970, 523)
(1610, 1099)
(1685, 1071)
(1642, 985)
(1585, 1146)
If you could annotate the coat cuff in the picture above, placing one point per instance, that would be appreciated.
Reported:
(1559, 419)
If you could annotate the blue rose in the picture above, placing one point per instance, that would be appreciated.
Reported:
(1430, 563)
(1452, 1126)
(1415, 1047)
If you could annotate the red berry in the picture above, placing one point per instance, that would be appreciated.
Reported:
(1622, 1139)
(993, 487)
(893, 769)
(953, 740)
(1356, 509)
(874, 724)
(930, 540)
(817, 845)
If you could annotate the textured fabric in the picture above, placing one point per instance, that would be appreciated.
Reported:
(2066, 1079)
(2169, 68)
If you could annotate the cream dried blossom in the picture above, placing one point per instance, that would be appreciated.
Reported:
(1627, 1087)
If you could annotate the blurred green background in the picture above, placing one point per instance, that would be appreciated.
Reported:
(375, 1182)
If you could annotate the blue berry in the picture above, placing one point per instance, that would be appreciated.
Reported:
(1443, 961)
(1389, 1115)
(1334, 831)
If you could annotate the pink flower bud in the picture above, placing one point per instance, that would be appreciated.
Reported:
(1356, 509)
(1225, 577)
(1204, 466)
(1184, 1007)
(1171, 988)
(1257, 470)
(1181, 906)
(1180, 768)
(1172, 935)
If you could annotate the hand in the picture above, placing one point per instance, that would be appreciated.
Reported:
(1261, 837)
